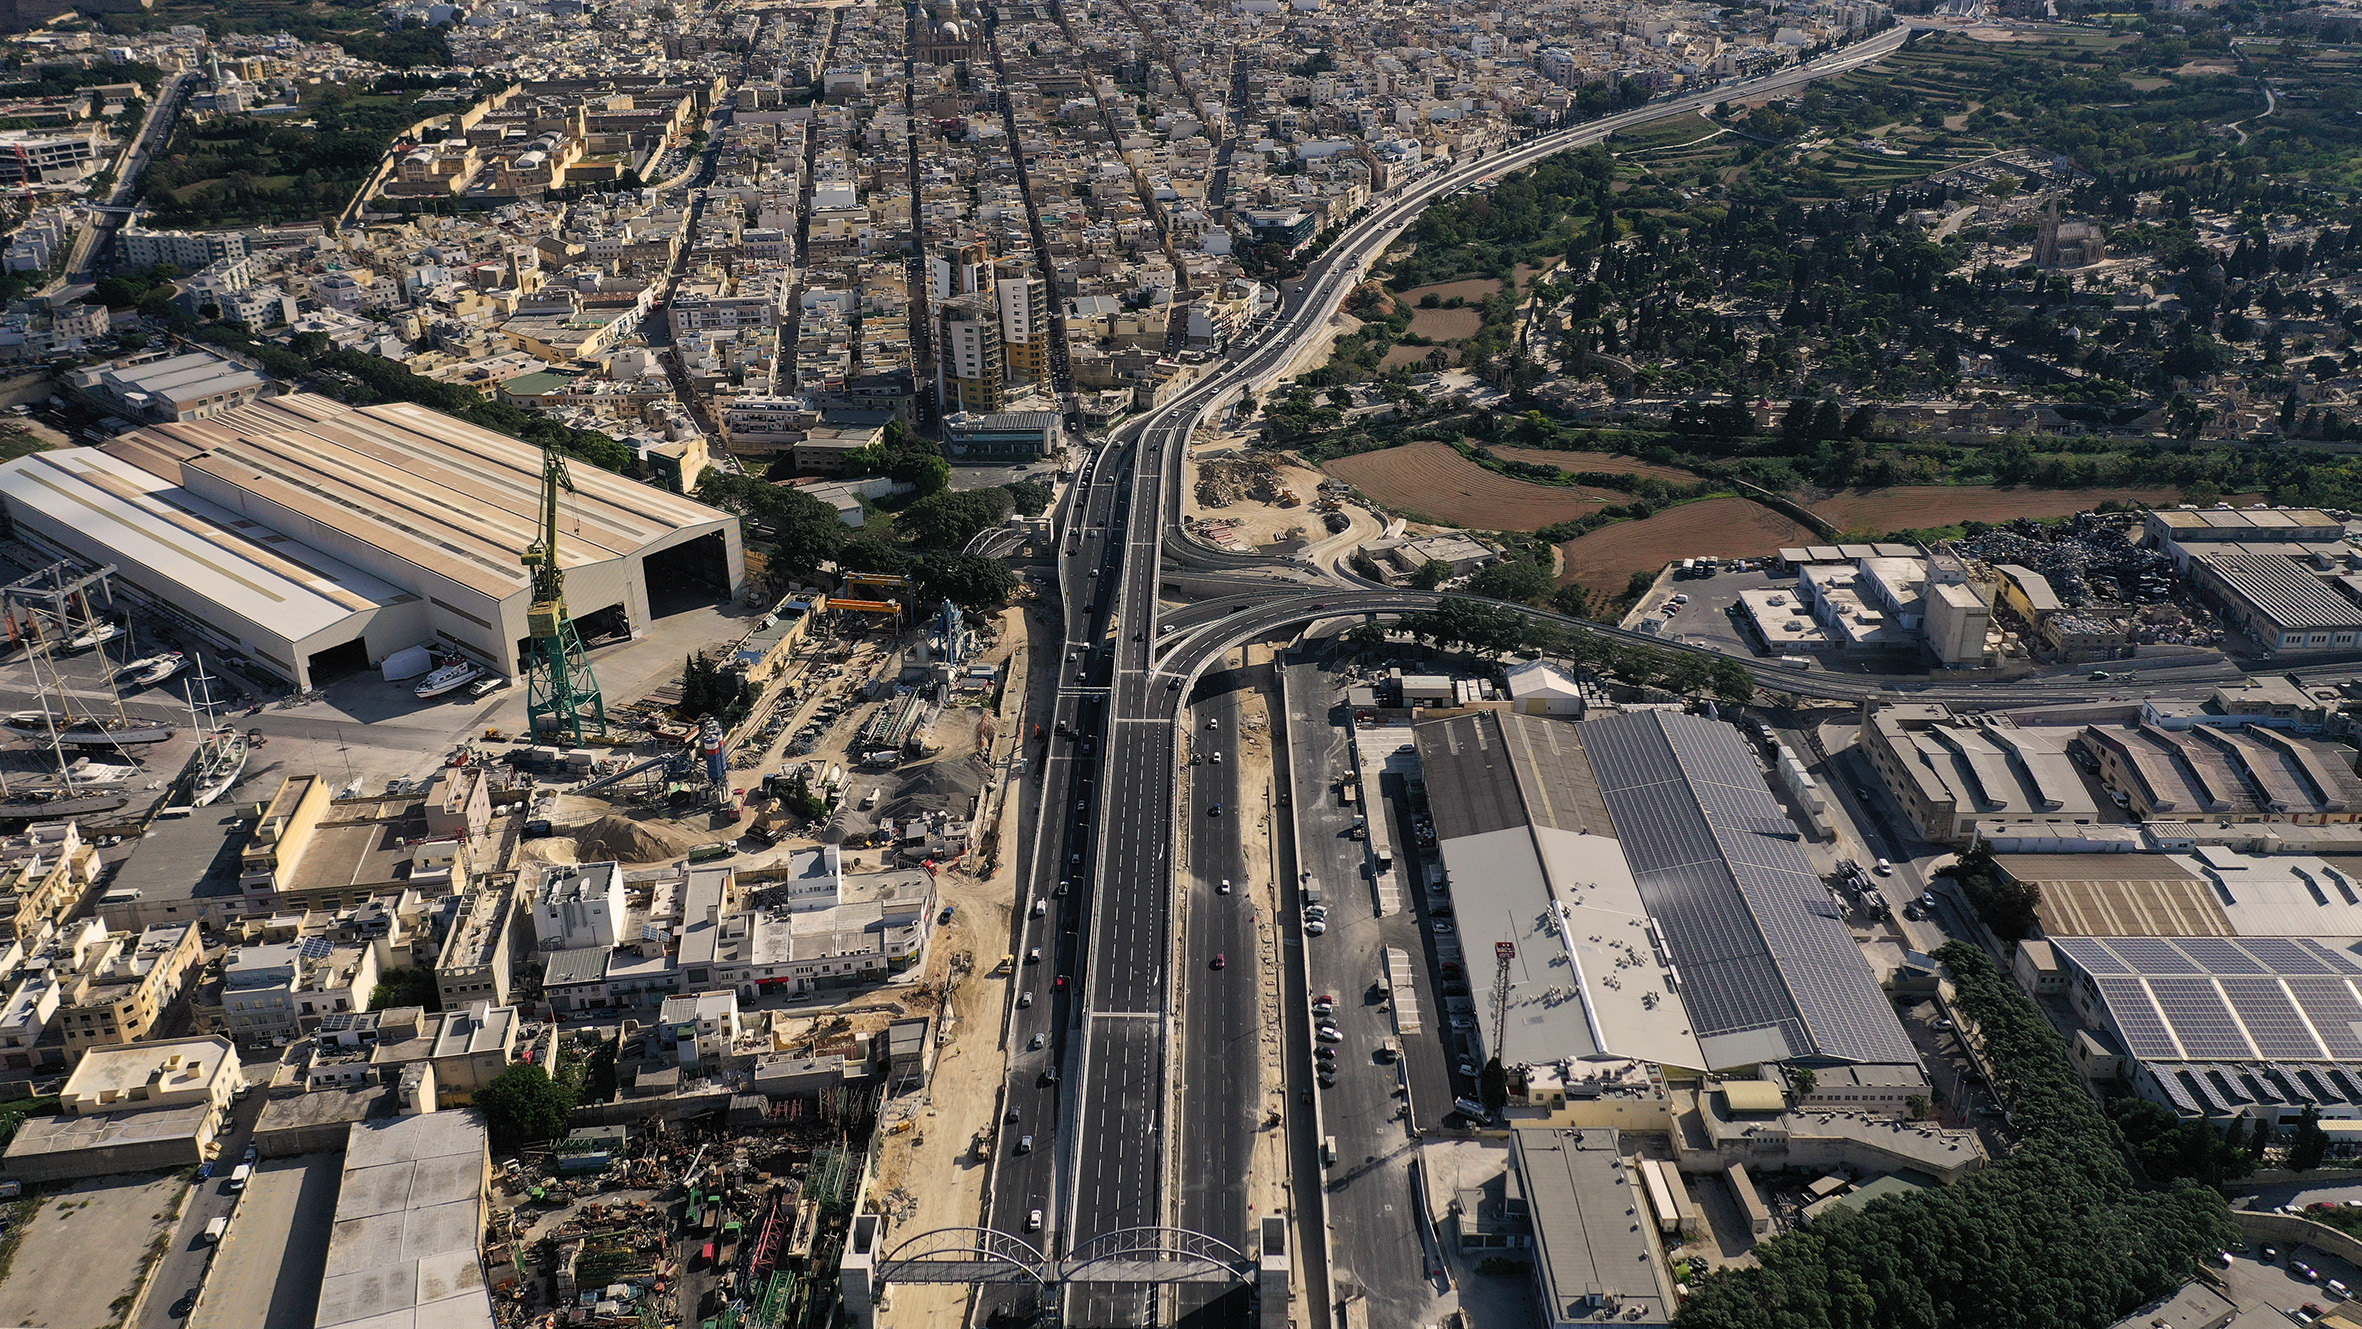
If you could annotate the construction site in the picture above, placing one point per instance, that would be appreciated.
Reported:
(732, 1219)
(1245, 499)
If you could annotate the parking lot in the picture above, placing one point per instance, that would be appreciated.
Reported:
(1706, 618)
(2267, 1292)
(79, 1263)
(267, 1275)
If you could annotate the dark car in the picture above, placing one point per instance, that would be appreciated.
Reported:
(1221, 960)
(1214, 811)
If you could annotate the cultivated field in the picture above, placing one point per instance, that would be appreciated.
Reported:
(1919, 507)
(1725, 527)
(1447, 324)
(1431, 480)
(1575, 463)
(1472, 289)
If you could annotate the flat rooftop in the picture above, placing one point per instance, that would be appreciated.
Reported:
(191, 854)
(1583, 1198)
(1552, 882)
(402, 1253)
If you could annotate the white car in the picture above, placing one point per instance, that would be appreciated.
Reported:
(1224, 888)
(1330, 1034)
(1315, 928)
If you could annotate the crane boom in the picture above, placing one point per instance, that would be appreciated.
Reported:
(561, 692)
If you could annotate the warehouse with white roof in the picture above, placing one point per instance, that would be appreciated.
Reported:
(318, 538)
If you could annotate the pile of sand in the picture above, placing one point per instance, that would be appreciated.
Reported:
(626, 841)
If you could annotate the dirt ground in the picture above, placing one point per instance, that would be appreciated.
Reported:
(1437, 483)
(1726, 527)
(1317, 351)
(1399, 356)
(1472, 288)
(1447, 324)
(83, 1252)
(1267, 1189)
(928, 1177)
(1913, 507)
(1258, 522)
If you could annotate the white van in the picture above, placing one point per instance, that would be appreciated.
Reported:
(216, 1230)
(239, 1176)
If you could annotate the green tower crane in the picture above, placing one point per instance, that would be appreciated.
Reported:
(561, 692)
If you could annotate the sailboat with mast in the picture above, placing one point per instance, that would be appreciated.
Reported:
(67, 726)
(221, 753)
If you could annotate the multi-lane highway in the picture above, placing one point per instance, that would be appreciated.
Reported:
(1149, 1118)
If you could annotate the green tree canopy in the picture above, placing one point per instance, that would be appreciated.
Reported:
(524, 1105)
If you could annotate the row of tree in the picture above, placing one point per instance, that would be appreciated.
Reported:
(1490, 630)
(2057, 1235)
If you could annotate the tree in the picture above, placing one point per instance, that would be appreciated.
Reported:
(2310, 1144)
(404, 987)
(523, 1105)
(1572, 600)
(1494, 1085)
(1518, 580)
(2012, 909)
(870, 553)
(1916, 1107)
(1368, 635)
(948, 520)
(1432, 574)
(804, 532)
(970, 581)
(1803, 1081)
(1031, 497)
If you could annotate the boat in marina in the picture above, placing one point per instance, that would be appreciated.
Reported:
(221, 762)
(86, 731)
(156, 668)
(97, 634)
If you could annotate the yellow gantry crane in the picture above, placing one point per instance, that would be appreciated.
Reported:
(561, 693)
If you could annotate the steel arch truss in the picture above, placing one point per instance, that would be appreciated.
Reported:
(966, 1255)
(1181, 1255)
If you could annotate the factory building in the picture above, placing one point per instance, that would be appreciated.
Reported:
(2290, 579)
(316, 539)
(1640, 866)
(1951, 776)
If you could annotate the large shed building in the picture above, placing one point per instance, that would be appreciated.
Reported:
(317, 538)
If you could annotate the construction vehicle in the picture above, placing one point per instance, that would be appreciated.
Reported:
(983, 1146)
(1007, 965)
(561, 692)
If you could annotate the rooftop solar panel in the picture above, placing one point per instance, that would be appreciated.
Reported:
(2339, 961)
(2271, 1019)
(2154, 955)
(2091, 955)
(2200, 1020)
(1744, 913)
(2219, 956)
(2335, 1014)
(2136, 1018)
(2286, 957)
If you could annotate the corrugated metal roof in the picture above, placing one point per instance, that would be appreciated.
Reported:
(2285, 593)
(1758, 939)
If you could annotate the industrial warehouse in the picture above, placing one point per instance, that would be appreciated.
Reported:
(1643, 856)
(318, 538)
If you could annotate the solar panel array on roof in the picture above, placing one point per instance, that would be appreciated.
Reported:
(2220, 999)
(2334, 1012)
(2136, 1018)
(2094, 958)
(2200, 1017)
(1758, 940)
(2272, 1019)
